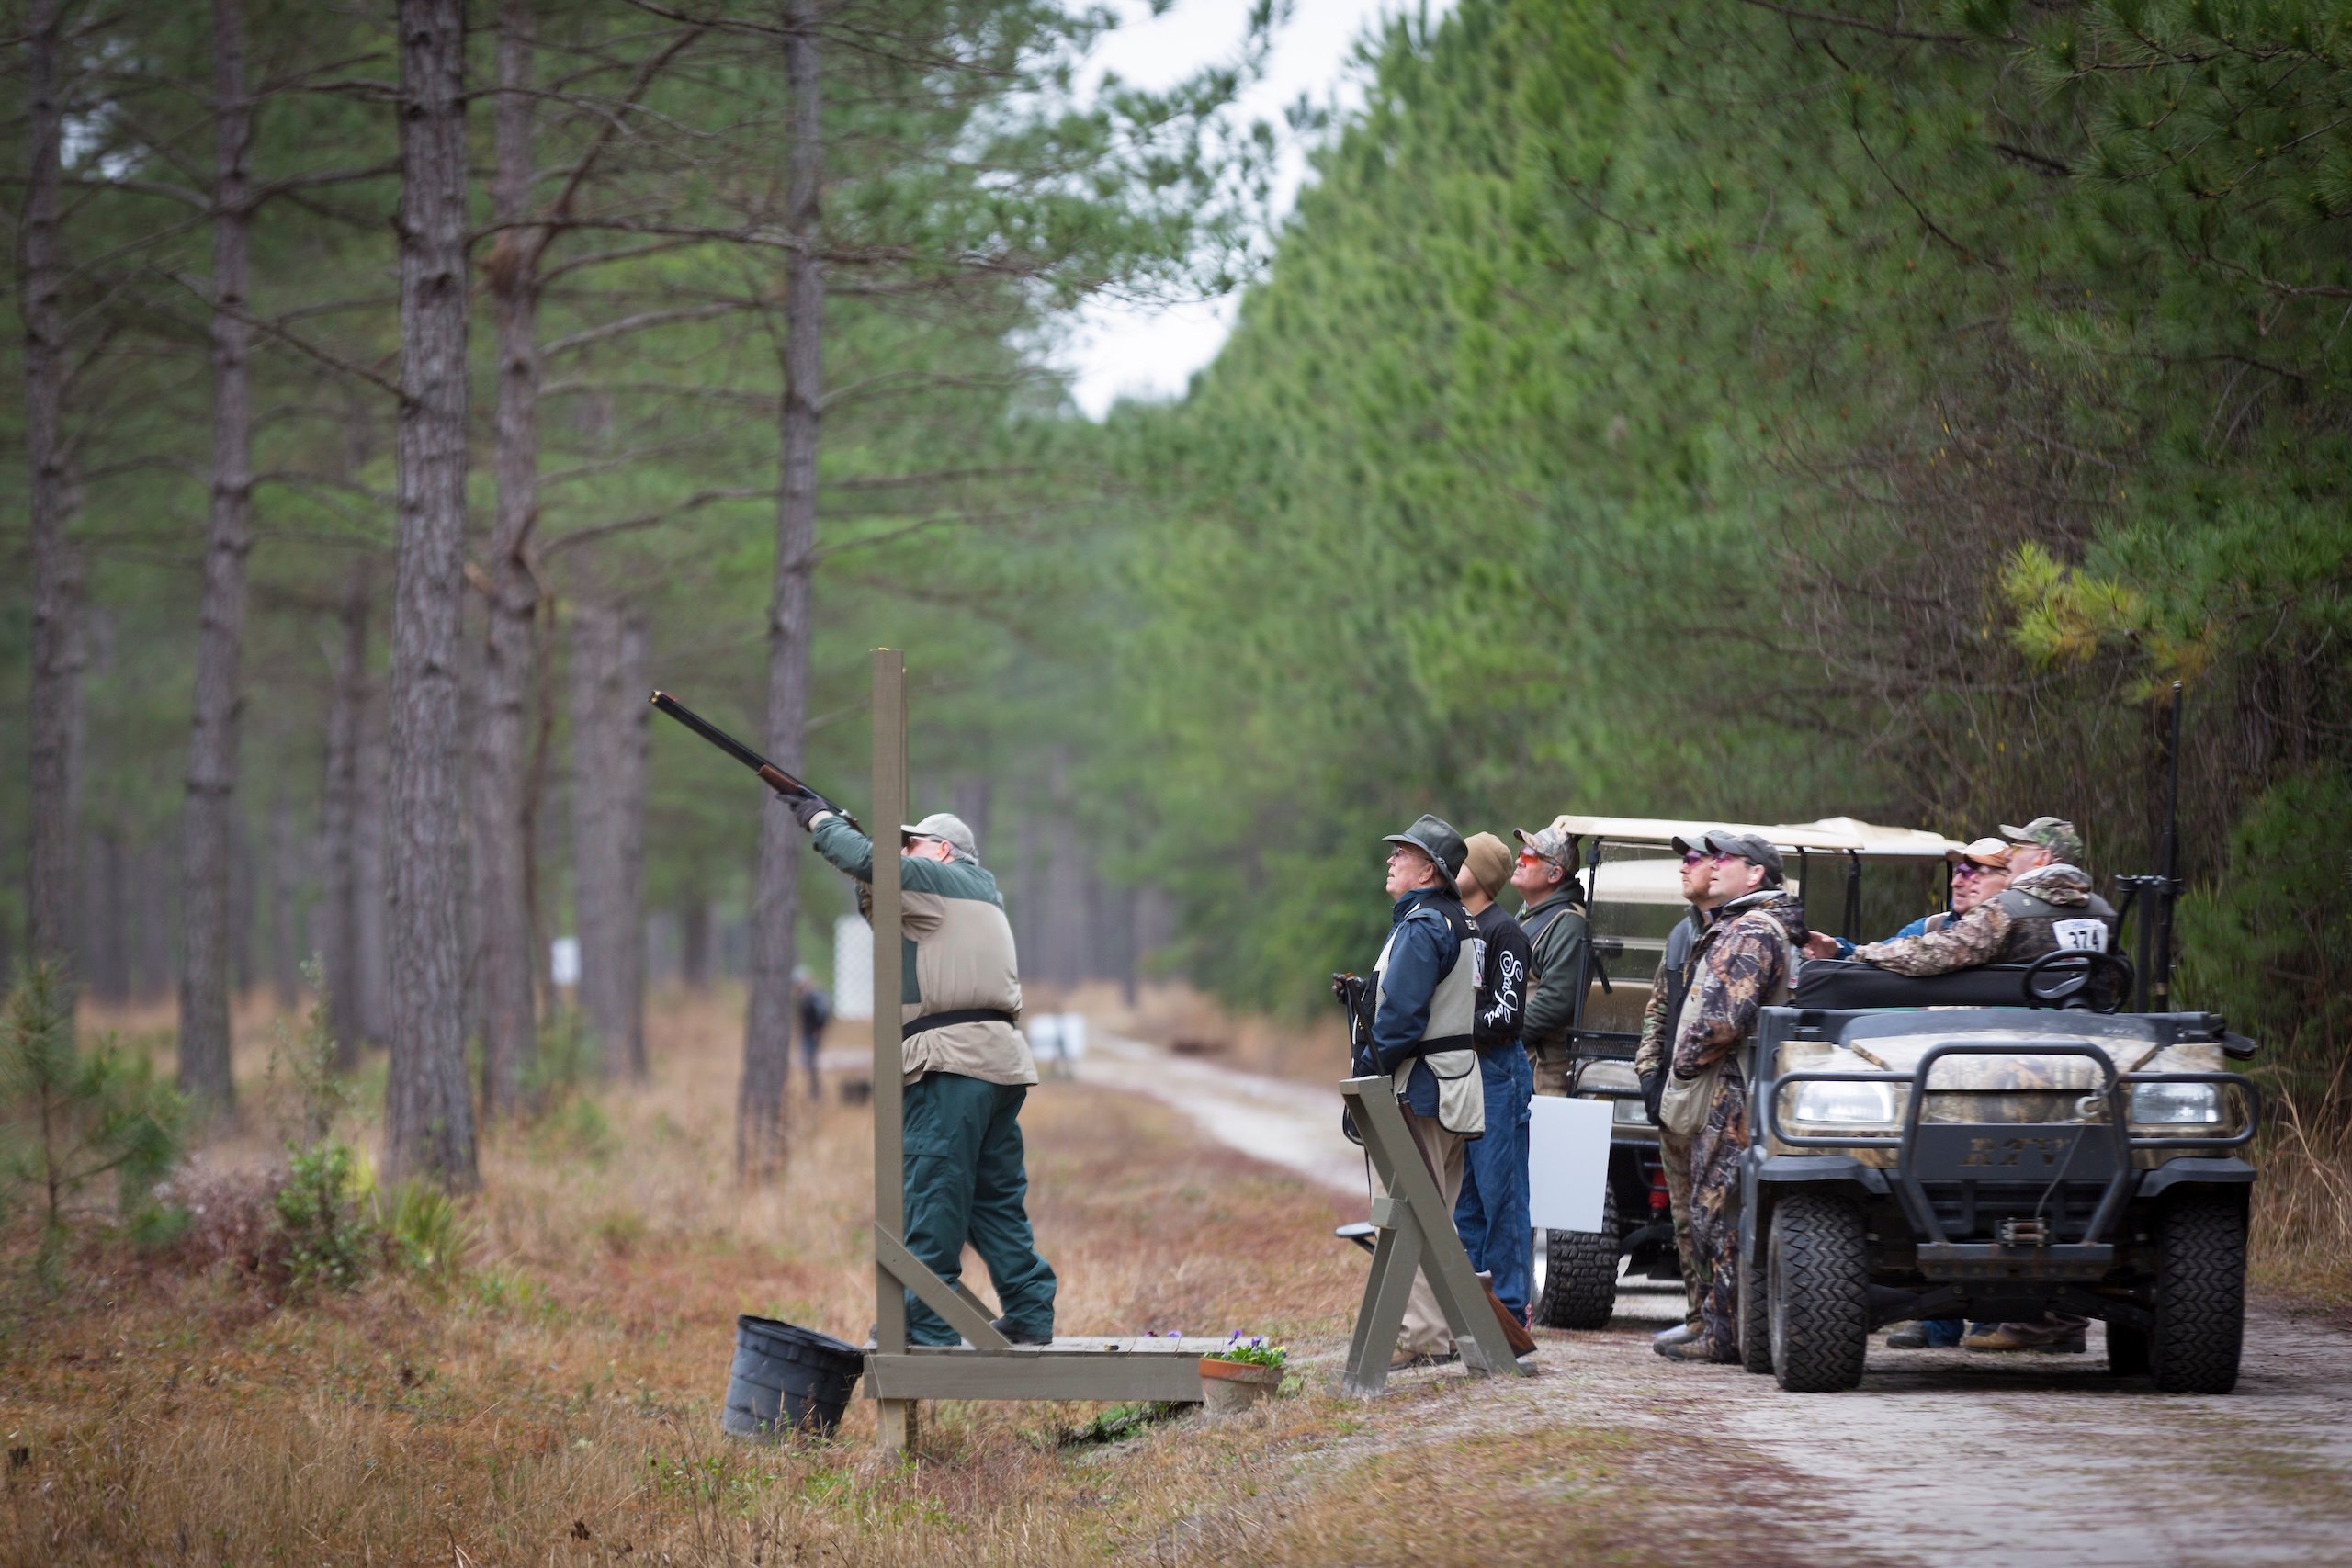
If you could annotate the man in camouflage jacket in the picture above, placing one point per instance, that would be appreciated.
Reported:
(2047, 908)
(1667, 988)
(1743, 963)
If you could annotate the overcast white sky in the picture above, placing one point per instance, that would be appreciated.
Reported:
(1117, 349)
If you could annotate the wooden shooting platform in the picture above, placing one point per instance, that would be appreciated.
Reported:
(986, 1367)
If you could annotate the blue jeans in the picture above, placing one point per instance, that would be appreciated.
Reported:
(1491, 1214)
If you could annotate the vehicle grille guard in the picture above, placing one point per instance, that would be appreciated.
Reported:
(1969, 1154)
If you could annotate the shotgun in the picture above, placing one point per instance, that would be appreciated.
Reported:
(776, 778)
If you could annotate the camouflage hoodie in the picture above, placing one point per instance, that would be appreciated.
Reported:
(1994, 931)
(1736, 968)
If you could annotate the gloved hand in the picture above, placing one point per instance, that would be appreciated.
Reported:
(806, 807)
(1653, 1092)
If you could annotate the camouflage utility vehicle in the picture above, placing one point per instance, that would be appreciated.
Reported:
(1633, 900)
(1996, 1144)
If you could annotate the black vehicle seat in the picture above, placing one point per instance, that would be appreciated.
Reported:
(1843, 984)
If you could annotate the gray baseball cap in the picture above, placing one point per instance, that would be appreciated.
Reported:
(1753, 848)
(944, 825)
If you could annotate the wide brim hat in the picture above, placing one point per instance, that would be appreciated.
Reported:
(1435, 838)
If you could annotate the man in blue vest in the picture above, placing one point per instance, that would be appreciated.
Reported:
(1424, 1018)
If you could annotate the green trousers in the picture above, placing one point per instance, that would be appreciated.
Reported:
(966, 1183)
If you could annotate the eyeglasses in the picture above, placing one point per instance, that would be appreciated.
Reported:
(1692, 857)
(1529, 857)
(1970, 868)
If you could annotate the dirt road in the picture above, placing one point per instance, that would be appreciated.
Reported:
(1940, 1456)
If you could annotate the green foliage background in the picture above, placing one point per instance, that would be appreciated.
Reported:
(1696, 409)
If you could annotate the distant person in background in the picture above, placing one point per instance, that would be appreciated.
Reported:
(816, 1011)
(1668, 987)
(1552, 918)
(1491, 1217)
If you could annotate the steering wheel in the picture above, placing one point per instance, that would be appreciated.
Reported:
(2078, 982)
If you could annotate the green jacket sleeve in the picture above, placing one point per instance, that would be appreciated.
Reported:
(850, 852)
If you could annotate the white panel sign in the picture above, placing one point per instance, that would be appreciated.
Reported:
(1056, 1037)
(852, 967)
(563, 961)
(1567, 1162)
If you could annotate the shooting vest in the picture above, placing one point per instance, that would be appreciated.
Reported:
(2037, 926)
(1446, 1045)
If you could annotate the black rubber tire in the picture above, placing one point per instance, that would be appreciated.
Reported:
(2127, 1351)
(1580, 1274)
(2200, 1294)
(1817, 1263)
(1755, 1321)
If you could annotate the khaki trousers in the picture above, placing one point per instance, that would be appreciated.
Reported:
(1551, 1072)
(1424, 1332)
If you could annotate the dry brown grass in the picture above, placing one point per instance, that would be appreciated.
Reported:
(1180, 1017)
(561, 1403)
(2301, 1235)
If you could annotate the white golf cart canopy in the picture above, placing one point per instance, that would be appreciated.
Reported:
(1657, 880)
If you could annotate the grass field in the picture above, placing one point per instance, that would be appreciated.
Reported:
(557, 1402)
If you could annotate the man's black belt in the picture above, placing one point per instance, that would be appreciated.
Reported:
(955, 1015)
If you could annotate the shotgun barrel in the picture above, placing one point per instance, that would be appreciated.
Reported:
(775, 777)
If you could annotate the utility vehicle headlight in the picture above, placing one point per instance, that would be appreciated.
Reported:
(1844, 1104)
(1628, 1112)
(2176, 1104)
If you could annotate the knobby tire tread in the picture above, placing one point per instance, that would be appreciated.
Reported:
(1821, 1293)
(1755, 1321)
(2200, 1295)
(1580, 1273)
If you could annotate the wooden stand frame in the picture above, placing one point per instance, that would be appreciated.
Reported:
(1411, 1243)
(986, 1366)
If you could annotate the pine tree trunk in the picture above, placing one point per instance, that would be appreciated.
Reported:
(106, 929)
(607, 815)
(54, 725)
(243, 869)
(501, 758)
(694, 941)
(339, 829)
(375, 891)
(775, 902)
(428, 1112)
(205, 1075)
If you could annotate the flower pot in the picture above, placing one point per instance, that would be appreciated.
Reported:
(1227, 1388)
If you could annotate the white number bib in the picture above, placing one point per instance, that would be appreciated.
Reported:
(2080, 936)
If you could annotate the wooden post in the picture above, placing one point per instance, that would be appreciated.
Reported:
(894, 1417)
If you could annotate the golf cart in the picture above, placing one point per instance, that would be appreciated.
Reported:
(1631, 880)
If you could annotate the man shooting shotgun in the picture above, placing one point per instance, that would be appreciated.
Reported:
(966, 1062)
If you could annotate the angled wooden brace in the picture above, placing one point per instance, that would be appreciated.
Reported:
(1415, 1235)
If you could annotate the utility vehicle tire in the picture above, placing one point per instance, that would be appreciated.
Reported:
(2127, 1351)
(2200, 1294)
(1580, 1274)
(1818, 1266)
(1754, 1320)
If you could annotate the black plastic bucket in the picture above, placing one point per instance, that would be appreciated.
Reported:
(787, 1379)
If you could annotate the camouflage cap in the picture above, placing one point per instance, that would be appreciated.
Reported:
(1552, 843)
(2052, 833)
